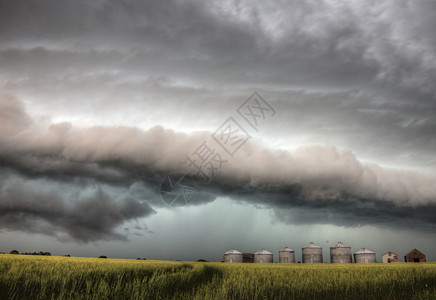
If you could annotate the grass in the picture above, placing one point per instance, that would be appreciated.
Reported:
(38, 277)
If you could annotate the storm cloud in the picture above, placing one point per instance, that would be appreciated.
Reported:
(315, 176)
(101, 100)
(85, 219)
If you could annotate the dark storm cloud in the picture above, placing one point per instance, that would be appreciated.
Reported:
(302, 43)
(122, 57)
(330, 181)
(121, 153)
(292, 207)
(32, 209)
(342, 73)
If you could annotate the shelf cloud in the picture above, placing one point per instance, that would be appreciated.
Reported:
(313, 176)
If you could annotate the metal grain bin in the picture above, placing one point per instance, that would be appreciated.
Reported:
(340, 254)
(286, 255)
(233, 256)
(312, 254)
(263, 256)
(364, 256)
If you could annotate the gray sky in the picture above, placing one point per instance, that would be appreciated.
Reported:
(99, 101)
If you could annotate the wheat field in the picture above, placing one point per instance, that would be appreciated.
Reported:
(39, 277)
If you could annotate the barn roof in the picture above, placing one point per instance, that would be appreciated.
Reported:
(415, 252)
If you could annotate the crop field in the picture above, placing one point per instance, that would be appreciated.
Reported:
(39, 277)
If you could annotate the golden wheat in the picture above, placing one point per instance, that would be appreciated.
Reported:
(38, 277)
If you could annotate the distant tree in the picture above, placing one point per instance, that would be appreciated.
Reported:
(202, 260)
(14, 252)
(102, 256)
(67, 255)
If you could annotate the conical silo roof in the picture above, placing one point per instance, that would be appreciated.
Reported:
(286, 249)
(364, 251)
(233, 251)
(312, 245)
(263, 251)
(340, 245)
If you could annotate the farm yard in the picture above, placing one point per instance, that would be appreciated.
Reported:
(31, 277)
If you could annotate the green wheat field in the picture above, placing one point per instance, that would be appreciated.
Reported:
(39, 277)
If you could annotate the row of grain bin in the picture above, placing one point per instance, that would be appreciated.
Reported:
(339, 254)
(312, 253)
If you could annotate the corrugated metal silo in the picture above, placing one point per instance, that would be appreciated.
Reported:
(263, 256)
(340, 254)
(233, 256)
(312, 254)
(364, 256)
(286, 255)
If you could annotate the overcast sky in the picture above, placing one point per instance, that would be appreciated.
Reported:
(293, 121)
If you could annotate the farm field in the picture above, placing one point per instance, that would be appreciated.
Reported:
(39, 277)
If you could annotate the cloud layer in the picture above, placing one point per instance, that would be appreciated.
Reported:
(110, 96)
(313, 177)
(354, 75)
(96, 217)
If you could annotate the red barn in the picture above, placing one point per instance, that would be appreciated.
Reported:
(415, 256)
